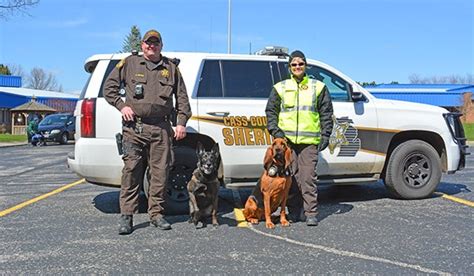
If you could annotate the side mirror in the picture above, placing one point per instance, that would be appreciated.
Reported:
(357, 96)
(69, 123)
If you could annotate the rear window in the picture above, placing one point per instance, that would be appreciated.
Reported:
(236, 79)
(210, 85)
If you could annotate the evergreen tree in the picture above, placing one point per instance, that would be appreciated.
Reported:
(4, 70)
(132, 41)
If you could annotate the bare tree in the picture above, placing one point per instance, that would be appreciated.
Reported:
(452, 79)
(415, 79)
(10, 7)
(17, 70)
(469, 79)
(39, 79)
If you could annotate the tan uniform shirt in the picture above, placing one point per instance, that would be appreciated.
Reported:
(160, 82)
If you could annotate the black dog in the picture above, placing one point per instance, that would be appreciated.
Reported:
(203, 186)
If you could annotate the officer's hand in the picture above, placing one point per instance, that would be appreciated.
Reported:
(127, 113)
(180, 132)
(323, 144)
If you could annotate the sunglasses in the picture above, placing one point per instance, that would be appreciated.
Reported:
(301, 64)
(153, 42)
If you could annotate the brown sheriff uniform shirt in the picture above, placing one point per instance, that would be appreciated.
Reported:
(160, 82)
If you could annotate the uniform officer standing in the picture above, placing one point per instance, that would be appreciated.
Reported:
(300, 110)
(150, 82)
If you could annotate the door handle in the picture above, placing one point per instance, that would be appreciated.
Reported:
(219, 113)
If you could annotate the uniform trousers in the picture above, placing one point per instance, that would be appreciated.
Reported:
(149, 146)
(303, 191)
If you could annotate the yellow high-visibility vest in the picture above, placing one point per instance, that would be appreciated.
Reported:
(299, 117)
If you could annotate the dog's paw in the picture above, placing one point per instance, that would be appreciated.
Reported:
(253, 221)
(269, 225)
(284, 223)
(198, 225)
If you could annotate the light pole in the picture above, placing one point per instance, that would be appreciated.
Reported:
(229, 28)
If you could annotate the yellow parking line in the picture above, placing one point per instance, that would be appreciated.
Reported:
(239, 217)
(456, 199)
(33, 200)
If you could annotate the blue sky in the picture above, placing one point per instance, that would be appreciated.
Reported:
(368, 40)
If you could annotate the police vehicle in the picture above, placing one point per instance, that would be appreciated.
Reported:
(407, 145)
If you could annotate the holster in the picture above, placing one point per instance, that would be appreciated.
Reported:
(119, 141)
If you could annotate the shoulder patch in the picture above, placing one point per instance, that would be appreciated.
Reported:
(120, 64)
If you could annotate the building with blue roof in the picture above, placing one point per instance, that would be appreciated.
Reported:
(12, 95)
(454, 97)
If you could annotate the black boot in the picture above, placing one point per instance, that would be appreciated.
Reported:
(161, 223)
(295, 215)
(312, 221)
(126, 224)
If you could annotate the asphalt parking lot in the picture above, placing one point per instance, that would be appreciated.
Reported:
(362, 229)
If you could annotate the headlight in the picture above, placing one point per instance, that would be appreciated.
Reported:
(55, 131)
(455, 126)
(451, 124)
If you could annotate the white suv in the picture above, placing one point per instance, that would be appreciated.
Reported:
(407, 145)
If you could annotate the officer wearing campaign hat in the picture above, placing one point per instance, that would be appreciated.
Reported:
(151, 81)
(300, 110)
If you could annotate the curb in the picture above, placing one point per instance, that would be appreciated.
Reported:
(7, 145)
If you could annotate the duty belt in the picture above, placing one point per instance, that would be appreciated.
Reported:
(154, 120)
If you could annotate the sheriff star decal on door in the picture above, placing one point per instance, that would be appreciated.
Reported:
(344, 137)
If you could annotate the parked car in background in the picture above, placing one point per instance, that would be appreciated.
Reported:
(59, 128)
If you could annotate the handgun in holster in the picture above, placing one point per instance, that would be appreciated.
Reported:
(173, 117)
(119, 141)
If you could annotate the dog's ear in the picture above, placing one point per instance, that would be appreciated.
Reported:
(199, 149)
(268, 159)
(215, 149)
(288, 157)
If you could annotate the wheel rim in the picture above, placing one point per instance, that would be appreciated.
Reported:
(64, 138)
(417, 170)
(177, 183)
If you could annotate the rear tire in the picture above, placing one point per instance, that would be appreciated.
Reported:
(413, 170)
(176, 192)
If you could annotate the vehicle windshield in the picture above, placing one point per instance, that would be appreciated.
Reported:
(53, 120)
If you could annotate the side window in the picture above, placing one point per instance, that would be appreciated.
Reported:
(110, 67)
(284, 73)
(210, 84)
(84, 89)
(275, 72)
(338, 88)
(247, 79)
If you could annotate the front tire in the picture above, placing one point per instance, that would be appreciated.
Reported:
(176, 192)
(413, 170)
(63, 139)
